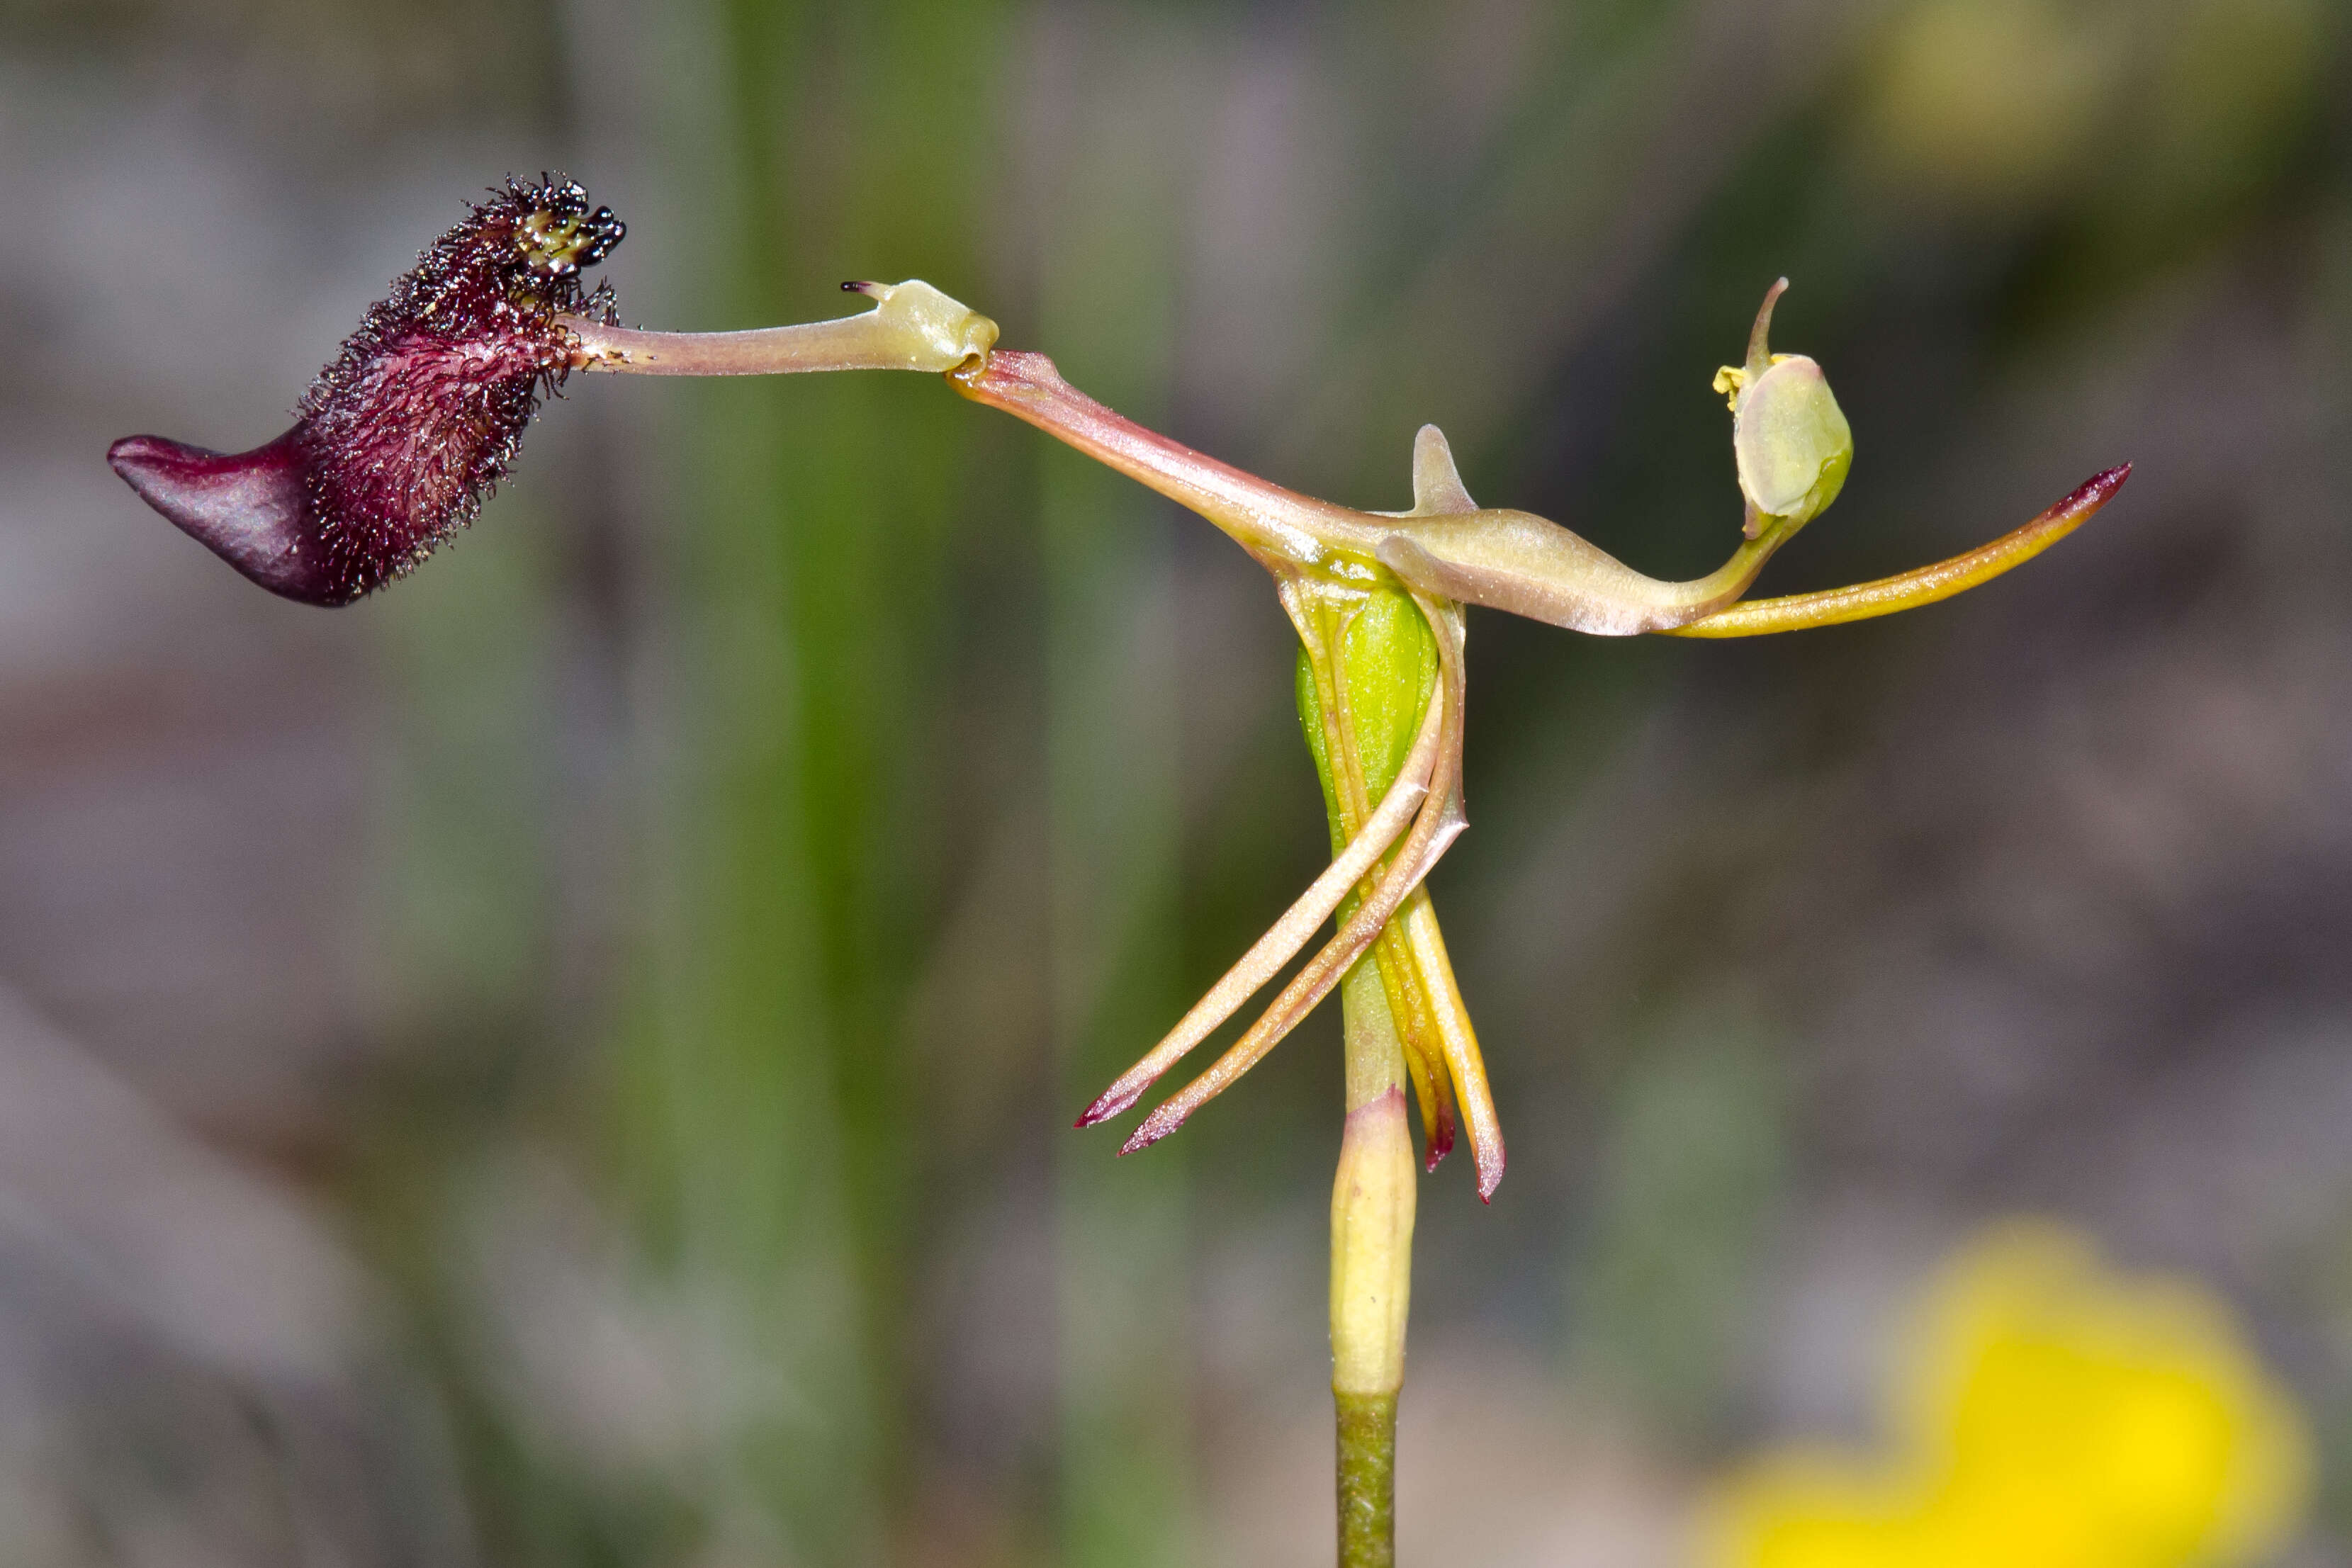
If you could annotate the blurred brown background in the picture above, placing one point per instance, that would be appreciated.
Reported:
(570, 1063)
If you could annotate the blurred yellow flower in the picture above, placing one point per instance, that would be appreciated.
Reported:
(2048, 1413)
(2009, 106)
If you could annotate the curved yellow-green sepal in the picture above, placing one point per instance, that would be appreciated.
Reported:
(1909, 590)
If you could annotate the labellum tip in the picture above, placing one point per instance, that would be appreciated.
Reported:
(248, 507)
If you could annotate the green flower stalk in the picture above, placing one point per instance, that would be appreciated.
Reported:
(1368, 663)
(1379, 601)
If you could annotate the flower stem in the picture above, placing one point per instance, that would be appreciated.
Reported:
(1367, 1480)
(1372, 1272)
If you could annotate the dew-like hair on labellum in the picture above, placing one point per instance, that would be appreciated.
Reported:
(412, 425)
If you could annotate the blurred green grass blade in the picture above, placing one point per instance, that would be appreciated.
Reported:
(1107, 291)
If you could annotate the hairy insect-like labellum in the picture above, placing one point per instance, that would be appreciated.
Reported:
(400, 439)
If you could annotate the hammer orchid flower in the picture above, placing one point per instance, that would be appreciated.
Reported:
(401, 438)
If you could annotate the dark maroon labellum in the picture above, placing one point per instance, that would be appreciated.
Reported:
(399, 440)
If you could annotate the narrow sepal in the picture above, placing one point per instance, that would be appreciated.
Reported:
(1910, 589)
